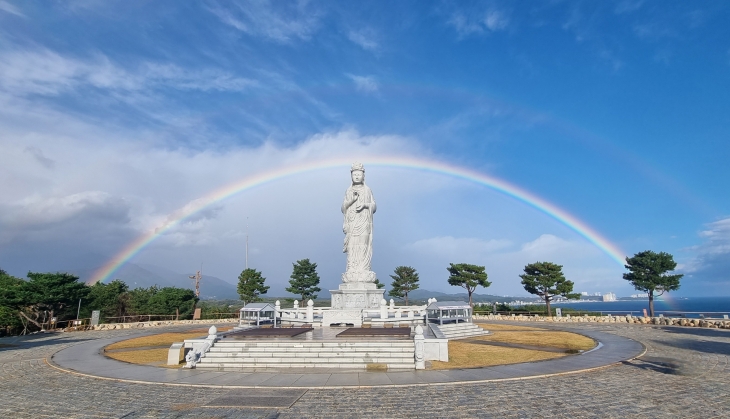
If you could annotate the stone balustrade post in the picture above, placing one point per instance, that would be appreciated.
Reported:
(310, 311)
(296, 309)
(392, 305)
(383, 309)
(420, 347)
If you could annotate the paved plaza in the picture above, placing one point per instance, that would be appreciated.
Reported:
(684, 373)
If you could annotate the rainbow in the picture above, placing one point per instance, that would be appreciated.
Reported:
(227, 191)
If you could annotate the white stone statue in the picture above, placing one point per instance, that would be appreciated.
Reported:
(358, 209)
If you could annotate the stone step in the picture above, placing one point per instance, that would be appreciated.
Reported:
(263, 349)
(309, 354)
(314, 344)
(251, 367)
(322, 360)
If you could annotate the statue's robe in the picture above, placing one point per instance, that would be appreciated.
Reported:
(358, 228)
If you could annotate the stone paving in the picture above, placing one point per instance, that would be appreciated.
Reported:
(684, 374)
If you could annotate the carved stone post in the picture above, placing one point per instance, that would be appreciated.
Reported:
(296, 309)
(310, 311)
(420, 345)
(277, 311)
(383, 309)
(392, 305)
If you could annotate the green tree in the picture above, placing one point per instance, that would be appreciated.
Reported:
(546, 280)
(468, 277)
(51, 292)
(10, 288)
(304, 280)
(110, 299)
(405, 280)
(379, 284)
(251, 285)
(172, 300)
(648, 273)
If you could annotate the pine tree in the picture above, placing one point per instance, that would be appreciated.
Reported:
(546, 280)
(468, 277)
(251, 285)
(405, 280)
(304, 280)
(648, 274)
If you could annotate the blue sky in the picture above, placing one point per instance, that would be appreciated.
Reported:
(113, 115)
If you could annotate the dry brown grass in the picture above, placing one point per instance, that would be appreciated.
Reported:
(474, 355)
(163, 339)
(463, 354)
(140, 356)
(537, 337)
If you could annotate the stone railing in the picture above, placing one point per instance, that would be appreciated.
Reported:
(113, 326)
(667, 321)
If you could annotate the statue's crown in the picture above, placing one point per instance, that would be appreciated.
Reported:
(357, 166)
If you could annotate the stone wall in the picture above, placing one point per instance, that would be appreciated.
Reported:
(112, 326)
(667, 321)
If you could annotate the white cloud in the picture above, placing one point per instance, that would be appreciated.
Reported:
(366, 84)
(478, 22)
(365, 38)
(713, 255)
(37, 211)
(496, 20)
(46, 72)
(453, 248)
(504, 260)
(9, 8)
(278, 21)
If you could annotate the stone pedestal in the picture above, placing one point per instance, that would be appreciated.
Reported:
(356, 296)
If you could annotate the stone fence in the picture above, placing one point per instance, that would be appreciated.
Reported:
(667, 321)
(112, 326)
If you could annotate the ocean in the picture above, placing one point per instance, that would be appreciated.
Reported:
(691, 307)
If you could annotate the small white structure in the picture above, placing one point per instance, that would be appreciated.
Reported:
(257, 313)
(448, 312)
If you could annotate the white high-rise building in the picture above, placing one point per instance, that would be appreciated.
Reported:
(609, 296)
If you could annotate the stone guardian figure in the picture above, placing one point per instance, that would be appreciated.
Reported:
(358, 209)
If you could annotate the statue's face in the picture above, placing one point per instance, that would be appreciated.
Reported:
(358, 176)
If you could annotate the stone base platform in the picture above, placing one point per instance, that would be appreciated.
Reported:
(356, 295)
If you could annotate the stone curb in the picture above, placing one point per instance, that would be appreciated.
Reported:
(660, 321)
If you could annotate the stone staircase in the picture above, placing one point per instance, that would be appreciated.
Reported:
(263, 354)
(457, 330)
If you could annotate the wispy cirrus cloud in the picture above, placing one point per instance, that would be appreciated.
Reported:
(9, 8)
(479, 22)
(46, 72)
(711, 261)
(278, 21)
(366, 84)
(365, 38)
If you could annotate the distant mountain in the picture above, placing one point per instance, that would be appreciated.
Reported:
(146, 275)
(423, 294)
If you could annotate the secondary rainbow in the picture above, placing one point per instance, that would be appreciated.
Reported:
(227, 191)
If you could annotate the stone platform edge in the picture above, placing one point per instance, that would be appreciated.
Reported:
(610, 359)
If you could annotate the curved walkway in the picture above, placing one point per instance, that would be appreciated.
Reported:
(86, 358)
(685, 372)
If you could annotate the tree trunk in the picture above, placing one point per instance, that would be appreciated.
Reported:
(547, 303)
(470, 304)
(406, 299)
(651, 303)
(30, 320)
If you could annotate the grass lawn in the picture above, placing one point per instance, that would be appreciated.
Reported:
(466, 354)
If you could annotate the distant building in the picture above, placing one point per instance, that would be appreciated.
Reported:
(609, 297)
(584, 293)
